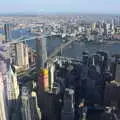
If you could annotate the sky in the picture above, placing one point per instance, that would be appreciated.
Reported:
(60, 6)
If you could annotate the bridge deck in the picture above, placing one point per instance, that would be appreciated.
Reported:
(58, 49)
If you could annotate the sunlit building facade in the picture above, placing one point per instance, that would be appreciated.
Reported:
(3, 106)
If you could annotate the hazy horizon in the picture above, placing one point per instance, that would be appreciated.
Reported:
(57, 13)
(61, 6)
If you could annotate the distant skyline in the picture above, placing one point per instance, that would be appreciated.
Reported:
(61, 6)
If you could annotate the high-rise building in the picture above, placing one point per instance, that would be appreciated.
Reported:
(3, 106)
(7, 30)
(12, 86)
(13, 53)
(9, 77)
(41, 51)
(68, 108)
(35, 110)
(26, 57)
(43, 79)
(3, 66)
(4, 62)
(25, 109)
(30, 109)
(2, 38)
(19, 54)
(31, 56)
(11, 90)
(94, 26)
(51, 68)
(113, 27)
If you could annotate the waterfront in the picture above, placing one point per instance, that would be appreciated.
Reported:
(62, 88)
(76, 48)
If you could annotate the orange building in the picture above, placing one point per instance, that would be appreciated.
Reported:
(43, 80)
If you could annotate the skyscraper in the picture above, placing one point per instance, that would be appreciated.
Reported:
(35, 110)
(3, 106)
(41, 51)
(30, 109)
(12, 85)
(9, 90)
(25, 109)
(21, 54)
(51, 67)
(7, 30)
(68, 108)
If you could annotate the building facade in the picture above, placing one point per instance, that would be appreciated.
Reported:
(3, 106)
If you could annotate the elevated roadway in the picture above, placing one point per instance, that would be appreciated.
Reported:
(58, 49)
(55, 53)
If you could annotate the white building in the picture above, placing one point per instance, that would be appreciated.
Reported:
(12, 85)
(3, 105)
(22, 58)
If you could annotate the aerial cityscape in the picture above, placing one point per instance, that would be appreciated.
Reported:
(59, 65)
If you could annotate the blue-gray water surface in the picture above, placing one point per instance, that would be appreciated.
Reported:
(73, 50)
(76, 48)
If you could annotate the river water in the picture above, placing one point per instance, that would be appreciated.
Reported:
(51, 44)
(75, 49)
